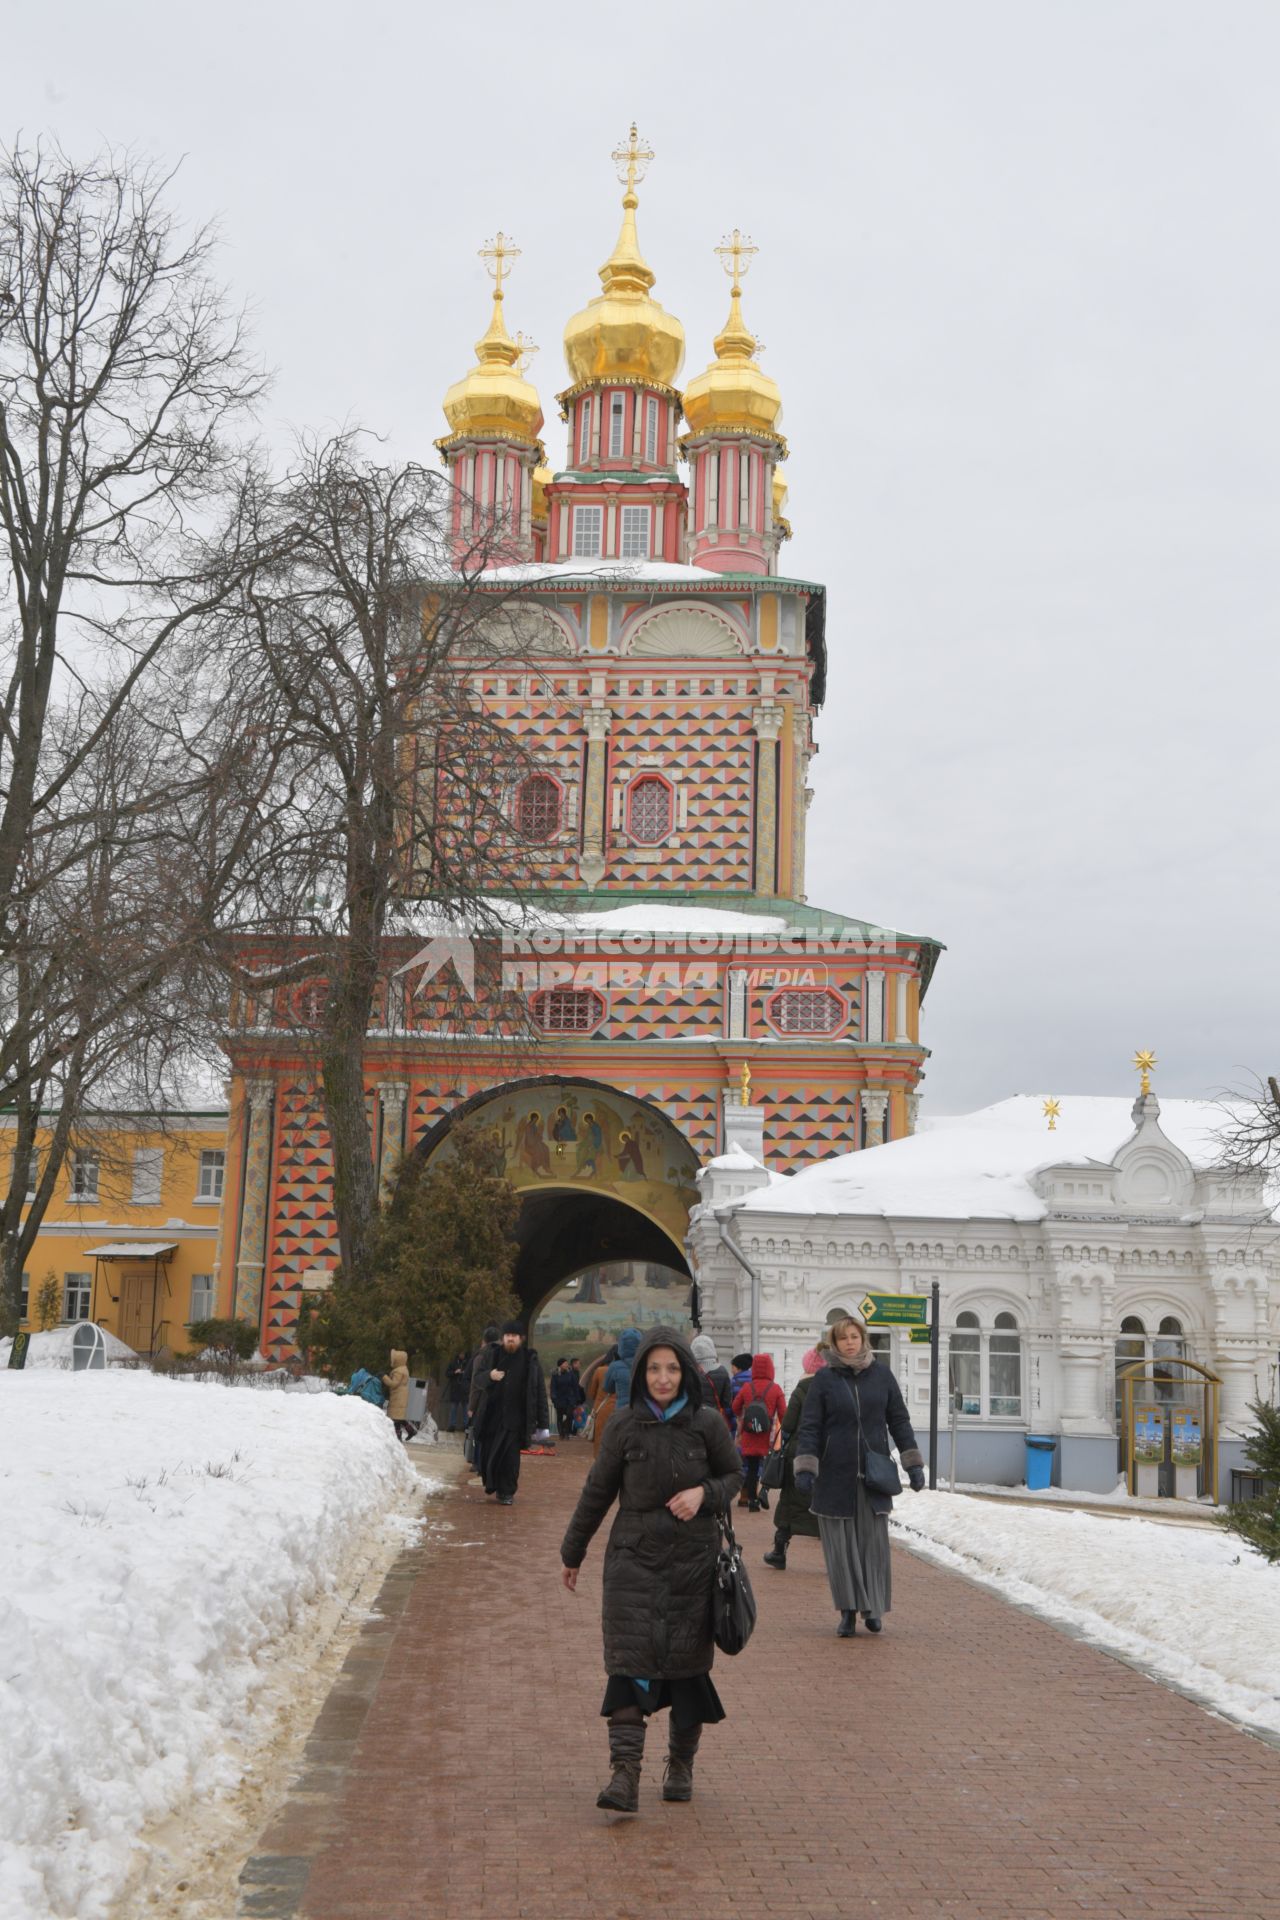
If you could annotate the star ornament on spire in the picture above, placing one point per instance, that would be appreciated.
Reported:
(1145, 1062)
(632, 160)
(496, 254)
(1052, 1109)
(736, 252)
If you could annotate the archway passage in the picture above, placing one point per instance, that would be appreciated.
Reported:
(588, 1267)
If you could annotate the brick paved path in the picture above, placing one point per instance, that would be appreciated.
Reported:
(972, 1762)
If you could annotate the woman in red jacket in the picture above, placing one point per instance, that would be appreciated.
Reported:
(757, 1407)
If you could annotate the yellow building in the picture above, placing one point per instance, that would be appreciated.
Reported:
(131, 1234)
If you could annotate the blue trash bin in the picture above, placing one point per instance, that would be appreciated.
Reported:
(1040, 1450)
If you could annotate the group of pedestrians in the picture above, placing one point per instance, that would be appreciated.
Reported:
(667, 1456)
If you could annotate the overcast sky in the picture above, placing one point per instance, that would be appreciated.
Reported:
(1019, 282)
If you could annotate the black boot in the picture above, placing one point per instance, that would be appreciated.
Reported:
(626, 1751)
(848, 1625)
(873, 1623)
(682, 1745)
(778, 1558)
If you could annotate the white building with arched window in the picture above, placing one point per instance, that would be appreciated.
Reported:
(1062, 1257)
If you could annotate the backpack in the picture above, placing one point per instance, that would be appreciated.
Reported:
(757, 1418)
(367, 1386)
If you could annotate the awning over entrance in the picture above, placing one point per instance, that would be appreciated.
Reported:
(132, 1250)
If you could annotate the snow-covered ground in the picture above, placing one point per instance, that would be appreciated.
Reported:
(1188, 1602)
(164, 1544)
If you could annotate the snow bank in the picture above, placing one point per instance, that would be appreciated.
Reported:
(54, 1349)
(162, 1540)
(1190, 1603)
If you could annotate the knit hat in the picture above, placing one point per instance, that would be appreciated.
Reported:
(703, 1350)
(741, 1360)
(814, 1360)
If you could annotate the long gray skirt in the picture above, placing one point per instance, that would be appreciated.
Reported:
(857, 1555)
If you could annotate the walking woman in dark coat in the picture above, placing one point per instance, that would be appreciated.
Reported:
(793, 1514)
(669, 1463)
(854, 1405)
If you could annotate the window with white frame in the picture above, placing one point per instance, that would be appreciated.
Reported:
(744, 487)
(651, 431)
(201, 1296)
(84, 1176)
(807, 1010)
(213, 1172)
(584, 428)
(635, 533)
(148, 1171)
(617, 420)
(649, 810)
(986, 1366)
(76, 1289)
(587, 526)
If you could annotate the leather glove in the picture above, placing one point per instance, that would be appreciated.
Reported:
(915, 1477)
(804, 1483)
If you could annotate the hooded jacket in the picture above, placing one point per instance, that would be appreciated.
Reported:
(657, 1570)
(618, 1379)
(832, 1441)
(716, 1378)
(761, 1386)
(793, 1515)
(397, 1385)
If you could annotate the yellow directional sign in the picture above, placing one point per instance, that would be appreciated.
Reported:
(895, 1309)
(919, 1336)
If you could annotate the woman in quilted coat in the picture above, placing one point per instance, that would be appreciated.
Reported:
(669, 1463)
(851, 1409)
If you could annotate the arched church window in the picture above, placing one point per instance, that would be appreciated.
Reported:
(802, 1010)
(538, 807)
(649, 810)
(1168, 1344)
(966, 1362)
(567, 1009)
(617, 418)
(584, 429)
(1131, 1346)
(1005, 1368)
(651, 431)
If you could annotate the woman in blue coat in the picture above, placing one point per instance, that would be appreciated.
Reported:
(854, 1405)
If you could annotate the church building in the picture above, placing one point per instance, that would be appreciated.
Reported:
(675, 972)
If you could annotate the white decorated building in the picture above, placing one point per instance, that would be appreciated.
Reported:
(1062, 1257)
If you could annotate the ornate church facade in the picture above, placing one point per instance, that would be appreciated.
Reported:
(675, 972)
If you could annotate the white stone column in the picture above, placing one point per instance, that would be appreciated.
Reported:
(873, 1025)
(875, 1107)
(767, 725)
(900, 1033)
(596, 720)
(393, 1096)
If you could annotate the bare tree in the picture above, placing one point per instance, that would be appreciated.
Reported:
(1250, 1137)
(360, 635)
(122, 375)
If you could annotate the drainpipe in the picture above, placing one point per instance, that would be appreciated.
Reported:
(722, 1221)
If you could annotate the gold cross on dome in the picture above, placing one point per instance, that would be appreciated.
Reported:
(737, 251)
(632, 160)
(1145, 1062)
(527, 350)
(496, 253)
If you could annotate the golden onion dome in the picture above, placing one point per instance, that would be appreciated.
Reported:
(733, 392)
(495, 399)
(542, 478)
(780, 505)
(623, 333)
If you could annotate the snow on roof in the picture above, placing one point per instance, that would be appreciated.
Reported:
(979, 1165)
(622, 570)
(528, 917)
(131, 1250)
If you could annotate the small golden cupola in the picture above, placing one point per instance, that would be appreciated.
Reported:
(733, 445)
(492, 447)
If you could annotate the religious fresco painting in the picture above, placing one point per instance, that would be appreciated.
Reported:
(588, 1313)
(571, 1137)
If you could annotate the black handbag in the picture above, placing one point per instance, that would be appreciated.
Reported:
(774, 1466)
(733, 1605)
(878, 1473)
